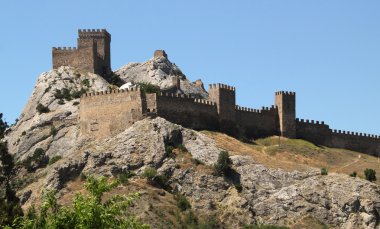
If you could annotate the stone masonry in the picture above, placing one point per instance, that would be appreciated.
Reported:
(107, 113)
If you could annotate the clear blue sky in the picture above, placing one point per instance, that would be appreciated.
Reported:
(326, 51)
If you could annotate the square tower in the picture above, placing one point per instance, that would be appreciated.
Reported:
(224, 97)
(286, 106)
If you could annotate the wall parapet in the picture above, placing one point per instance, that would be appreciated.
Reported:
(357, 134)
(107, 92)
(258, 111)
(285, 93)
(307, 121)
(64, 49)
(221, 86)
(85, 33)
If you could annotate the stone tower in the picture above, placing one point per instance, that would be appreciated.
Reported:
(224, 97)
(286, 106)
(92, 55)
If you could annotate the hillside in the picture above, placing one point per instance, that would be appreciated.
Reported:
(272, 181)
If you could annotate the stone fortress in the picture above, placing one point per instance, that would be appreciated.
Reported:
(108, 113)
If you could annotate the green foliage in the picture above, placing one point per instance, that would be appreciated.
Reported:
(66, 94)
(61, 102)
(9, 203)
(87, 211)
(353, 174)
(78, 94)
(115, 80)
(182, 203)
(169, 149)
(53, 131)
(238, 187)
(75, 103)
(86, 82)
(370, 175)
(182, 148)
(82, 177)
(37, 160)
(3, 126)
(223, 165)
(149, 88)
(124, 177)
(149, 173)
(54, 159)
(324, 171)
(42, 109)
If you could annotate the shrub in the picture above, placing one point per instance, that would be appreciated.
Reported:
(53, 131)
(75, 103)
(23, 133)
(42, 109)
(370, 175)
(149, 173)
(82, 176)
(223, 165)
(169, 150)
(58, 94)
(238, 187)
(124, 177)
(35, 161)
(3, 126)
(87, 211)
(324, 171)
(115, 80)
(353, 174)
(54, 159)
(182, 203)
(149, 88)
(86, 82)
(78, 94)
(182, 148)
(61, 102)
(66, 94)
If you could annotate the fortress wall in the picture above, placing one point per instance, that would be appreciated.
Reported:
(193, 113)
(64, 56)
(151, 102)
(108, 113)
(256, 123)
(364, 143)
(314, 131)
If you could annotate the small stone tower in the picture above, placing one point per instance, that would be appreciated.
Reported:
(92, 55)
(224, 97)
(286, 106)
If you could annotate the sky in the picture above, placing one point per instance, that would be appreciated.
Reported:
(328, 52)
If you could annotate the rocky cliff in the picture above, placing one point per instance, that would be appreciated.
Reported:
(252, 194)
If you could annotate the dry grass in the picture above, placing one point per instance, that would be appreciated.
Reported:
(295, 154)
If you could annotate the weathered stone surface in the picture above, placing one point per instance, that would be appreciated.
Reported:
(161, 72)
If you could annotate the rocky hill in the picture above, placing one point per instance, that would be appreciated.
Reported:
(255, 192)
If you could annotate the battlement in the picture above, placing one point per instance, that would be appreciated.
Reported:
(285, 93)
(108, 92)
(258, 111)
(92, 55)
(93, 33)
(221, 86)
(65, 49)
(357, 134)
(307, 121)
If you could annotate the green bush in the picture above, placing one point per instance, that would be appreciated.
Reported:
(223, 165)
(78, 94)
(75, 103)
(124, 177)
(353, 174)
(86, 82)
(182, 203)
(61, 102)
(35, 161)
(54, 159)
(324, 171)
(53, 131)
(3, 126)
(87, 211)
(169, 149)
(238, 187)
(42, 109)
(149, 173)
(82, 176)
(370, 175)
(182, 148)
(149, 88)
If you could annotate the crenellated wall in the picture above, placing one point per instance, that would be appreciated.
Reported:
(92, 55)
(313, 131)
(257, 123)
